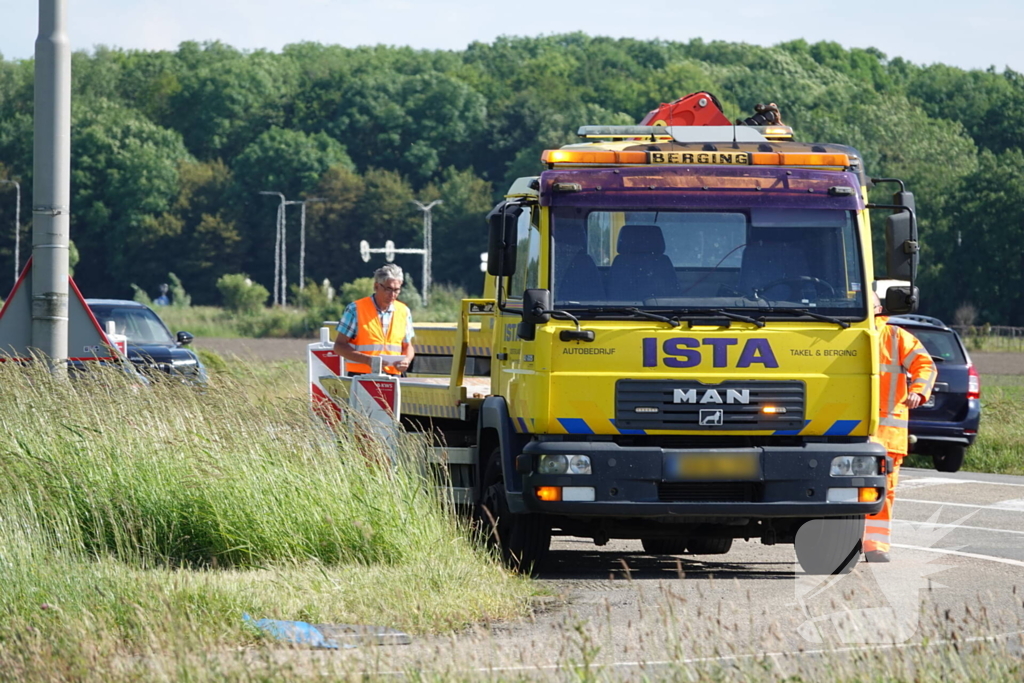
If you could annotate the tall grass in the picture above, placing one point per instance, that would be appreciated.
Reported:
(134, 520)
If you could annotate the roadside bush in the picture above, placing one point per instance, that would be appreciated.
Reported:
(241, 294)
(179, 297)
(357, 289)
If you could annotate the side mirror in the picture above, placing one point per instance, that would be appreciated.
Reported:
(503, 222)
(904, 198)
(184, 338)
(901, 299)
(901, 246)
(536, 306)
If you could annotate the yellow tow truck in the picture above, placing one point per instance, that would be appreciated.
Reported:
(676, 344)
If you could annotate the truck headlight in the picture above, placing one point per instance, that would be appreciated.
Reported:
(579, 464)
(854, 466)
(564, 464)
(553, 464)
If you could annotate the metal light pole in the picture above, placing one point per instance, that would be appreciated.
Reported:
(302, 238)
(17, 226)
(51, 186)
(278, 245)
(428, 244)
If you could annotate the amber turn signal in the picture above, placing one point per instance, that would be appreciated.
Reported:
(549, 494)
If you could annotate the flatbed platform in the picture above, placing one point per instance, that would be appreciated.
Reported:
(423, 396)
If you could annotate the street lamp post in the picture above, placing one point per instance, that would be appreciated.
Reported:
(278, 247)
(428, 244)
(302, 237)
(17, 226)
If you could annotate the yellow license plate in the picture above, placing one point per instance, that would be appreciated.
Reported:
(727, 466)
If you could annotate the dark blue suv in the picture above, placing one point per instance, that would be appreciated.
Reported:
(948, 423)
(151, 348)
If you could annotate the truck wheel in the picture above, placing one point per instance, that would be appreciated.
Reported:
(523, 540)
(949, 457)
(664, 546)
(829, 546)
(709, 546)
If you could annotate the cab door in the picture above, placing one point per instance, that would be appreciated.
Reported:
(515, 369)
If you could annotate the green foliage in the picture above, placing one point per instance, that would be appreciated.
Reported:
(141, 296)
(357, 289)
(240, 294)
(213, 361)
(170, 148)
(179, 297)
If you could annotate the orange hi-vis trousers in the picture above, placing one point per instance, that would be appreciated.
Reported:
(878, 527)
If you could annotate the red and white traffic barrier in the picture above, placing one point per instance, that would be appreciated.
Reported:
(322, 361)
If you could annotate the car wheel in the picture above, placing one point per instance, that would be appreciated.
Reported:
(664, 546)
(709, 546)
(829, 546)
(523, 540)
(949, 458)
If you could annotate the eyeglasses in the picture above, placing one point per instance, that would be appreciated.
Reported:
(393, 290)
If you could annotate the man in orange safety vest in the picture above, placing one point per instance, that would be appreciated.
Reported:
(907, 378)
(377, 325)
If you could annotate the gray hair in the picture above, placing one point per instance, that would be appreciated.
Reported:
(388, 271)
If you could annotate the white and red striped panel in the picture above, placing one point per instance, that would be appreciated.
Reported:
(323, 361)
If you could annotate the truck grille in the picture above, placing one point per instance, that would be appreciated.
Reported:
(707, 492)
(693, 405)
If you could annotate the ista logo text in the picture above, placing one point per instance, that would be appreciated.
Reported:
(686, 352)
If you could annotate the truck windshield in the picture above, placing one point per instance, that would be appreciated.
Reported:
(754, 259)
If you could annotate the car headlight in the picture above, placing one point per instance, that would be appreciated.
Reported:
(854, 466)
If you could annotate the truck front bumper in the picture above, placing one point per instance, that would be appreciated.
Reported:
(641, 482)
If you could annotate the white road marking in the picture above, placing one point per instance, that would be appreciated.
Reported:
(948, 480)
(1014, 505)
(916, 483)
(956, 526)
(958, 553)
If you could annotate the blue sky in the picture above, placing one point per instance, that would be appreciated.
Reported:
(975, 34)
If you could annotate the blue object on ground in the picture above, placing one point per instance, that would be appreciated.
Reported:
(296, 632)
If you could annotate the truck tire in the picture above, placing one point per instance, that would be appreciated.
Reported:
(949, 457)
(523, 540)
(664, 546)
(709, 546)
(829, 546)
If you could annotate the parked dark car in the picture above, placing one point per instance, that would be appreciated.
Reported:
(151, 348)
(947, 424)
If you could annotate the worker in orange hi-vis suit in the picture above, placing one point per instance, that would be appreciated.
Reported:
(907, 378)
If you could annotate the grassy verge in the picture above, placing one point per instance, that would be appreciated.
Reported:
(135, 522)
(999, 448)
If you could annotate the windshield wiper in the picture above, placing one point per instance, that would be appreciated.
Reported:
(810, 314)
(712, 312)
(638, 312)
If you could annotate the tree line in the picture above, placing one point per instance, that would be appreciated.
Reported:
(170, 149)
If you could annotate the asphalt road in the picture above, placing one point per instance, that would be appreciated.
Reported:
(958, 572)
